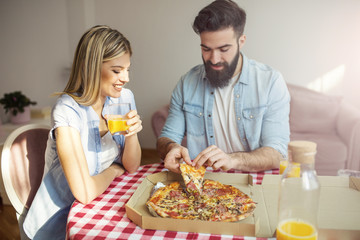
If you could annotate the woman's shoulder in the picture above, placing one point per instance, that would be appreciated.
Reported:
(67, 112)
(66, 101)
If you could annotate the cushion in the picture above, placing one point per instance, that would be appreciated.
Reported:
(27, 160)
(311, 111)
(158, 119)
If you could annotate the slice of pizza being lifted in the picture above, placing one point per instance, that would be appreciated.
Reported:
(193, 178)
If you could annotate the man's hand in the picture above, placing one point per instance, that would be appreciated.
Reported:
(260, 159)
(175, 156)
(172, 153)
(213, 157)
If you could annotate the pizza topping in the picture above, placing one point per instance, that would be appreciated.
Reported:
(222, 192)
(209, 192)
(172, 214)
(239, 199)
(176, 194)
(220, 208)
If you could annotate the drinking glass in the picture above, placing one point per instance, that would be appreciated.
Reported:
(116, 117)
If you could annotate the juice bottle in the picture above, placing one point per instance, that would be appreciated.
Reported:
(299, 196)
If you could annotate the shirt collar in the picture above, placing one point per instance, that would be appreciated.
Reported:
(244, 70)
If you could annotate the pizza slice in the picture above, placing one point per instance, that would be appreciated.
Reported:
(169, 201)
(193, 178)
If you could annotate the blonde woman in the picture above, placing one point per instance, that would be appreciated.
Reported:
(82, 157)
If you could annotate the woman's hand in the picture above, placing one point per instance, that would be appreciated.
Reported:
(134, 122)
(132, 152)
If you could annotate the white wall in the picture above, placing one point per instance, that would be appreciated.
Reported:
(313, 43)
(33, 47)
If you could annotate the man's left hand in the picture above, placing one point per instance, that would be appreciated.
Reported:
(213, 157)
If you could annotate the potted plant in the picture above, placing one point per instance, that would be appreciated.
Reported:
(18, 105)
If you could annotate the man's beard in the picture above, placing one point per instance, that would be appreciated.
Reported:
(221, 78)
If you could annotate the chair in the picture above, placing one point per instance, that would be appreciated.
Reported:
(22, 164)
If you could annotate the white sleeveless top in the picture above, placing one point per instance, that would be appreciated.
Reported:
(109, 151)
(224, 120)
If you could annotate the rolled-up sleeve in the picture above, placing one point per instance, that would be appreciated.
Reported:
(275, 127)
(174, 127)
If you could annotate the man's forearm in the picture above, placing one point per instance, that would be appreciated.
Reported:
(163, 146)
(261, 159)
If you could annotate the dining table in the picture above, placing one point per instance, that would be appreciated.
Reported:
(105, 217)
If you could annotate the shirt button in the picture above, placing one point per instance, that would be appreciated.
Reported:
(209, 115)
(237, 95)
(212, 93)
(200, 114)
(251, 116)
(238, 118)
(211, 136)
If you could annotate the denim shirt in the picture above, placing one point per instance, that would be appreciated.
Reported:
(262, 106)
(50, 207)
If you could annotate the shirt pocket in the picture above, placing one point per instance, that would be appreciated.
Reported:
(194, 119)
(253, 119)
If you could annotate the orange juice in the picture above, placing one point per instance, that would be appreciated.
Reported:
(283, 165)
(117, 124)
(292, 229)
(294, 172)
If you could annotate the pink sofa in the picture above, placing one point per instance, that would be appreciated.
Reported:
(327, 120)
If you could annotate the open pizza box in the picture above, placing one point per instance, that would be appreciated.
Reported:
(339, 213)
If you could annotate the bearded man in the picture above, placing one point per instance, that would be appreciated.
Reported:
(234, 111)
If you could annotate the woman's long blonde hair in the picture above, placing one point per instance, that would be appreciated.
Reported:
(99, 44)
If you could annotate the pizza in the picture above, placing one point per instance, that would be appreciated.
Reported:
(193, 178)
(215, 202)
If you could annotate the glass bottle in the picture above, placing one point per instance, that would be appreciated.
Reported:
(299, 194)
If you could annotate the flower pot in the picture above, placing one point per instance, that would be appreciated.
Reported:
(21, 117)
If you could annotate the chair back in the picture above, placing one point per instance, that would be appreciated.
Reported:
(22, 163)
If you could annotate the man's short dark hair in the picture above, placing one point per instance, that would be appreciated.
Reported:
(219, 15)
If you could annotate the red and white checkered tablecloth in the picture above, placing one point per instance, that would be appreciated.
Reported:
(105, 216)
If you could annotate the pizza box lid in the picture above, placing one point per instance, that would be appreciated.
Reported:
(339, 206)
(256, 225)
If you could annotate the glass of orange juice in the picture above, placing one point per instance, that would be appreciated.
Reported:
(283, 165)
(116, 115)
(293, 171)
(295, 229)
